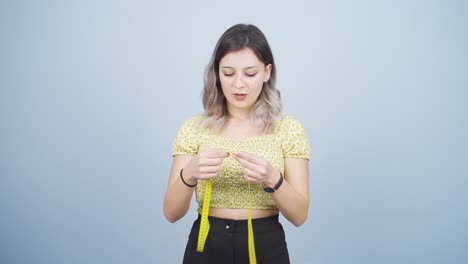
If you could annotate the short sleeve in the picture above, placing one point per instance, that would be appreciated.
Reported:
(187, 140)
(295, 143)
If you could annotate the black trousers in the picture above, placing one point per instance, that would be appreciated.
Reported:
(227, 242)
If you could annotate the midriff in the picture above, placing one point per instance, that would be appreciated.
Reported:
(241, 214)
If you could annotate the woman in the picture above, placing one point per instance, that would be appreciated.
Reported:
(244, 159)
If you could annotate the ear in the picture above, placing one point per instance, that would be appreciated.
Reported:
(267, 72)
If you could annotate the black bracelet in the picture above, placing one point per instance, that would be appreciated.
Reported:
(182, 178)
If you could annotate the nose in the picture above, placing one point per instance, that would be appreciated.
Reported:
(239, 82)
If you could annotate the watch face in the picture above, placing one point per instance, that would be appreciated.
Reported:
(269, 190)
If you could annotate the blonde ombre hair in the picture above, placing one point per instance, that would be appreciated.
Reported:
(267, 110)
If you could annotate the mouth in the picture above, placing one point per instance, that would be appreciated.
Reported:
(240, 96)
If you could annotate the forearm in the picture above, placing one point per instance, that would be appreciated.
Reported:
(177, 200)
(178, 195)
(293, 205)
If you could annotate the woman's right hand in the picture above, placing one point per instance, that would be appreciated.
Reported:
(205, 165)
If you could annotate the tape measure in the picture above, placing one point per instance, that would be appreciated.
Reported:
(250, 235)
(204, 224)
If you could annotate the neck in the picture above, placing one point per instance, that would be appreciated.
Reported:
(239, 115)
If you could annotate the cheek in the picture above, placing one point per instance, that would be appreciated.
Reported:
(225, 82)
(225, 85)
(256, 83)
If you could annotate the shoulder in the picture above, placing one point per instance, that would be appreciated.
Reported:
(293, 137)
(192, 123)
(191, 127)
(188, 137)
(289, 124)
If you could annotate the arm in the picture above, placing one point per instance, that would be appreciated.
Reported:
(178, 195)
(292, 198)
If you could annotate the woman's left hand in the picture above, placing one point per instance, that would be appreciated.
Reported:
(257, 169)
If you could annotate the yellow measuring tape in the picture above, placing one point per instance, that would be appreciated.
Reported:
(252, 256)
(205, 224)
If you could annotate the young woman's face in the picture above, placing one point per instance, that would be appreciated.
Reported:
(242, 76)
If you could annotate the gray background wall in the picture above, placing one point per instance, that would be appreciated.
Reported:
(93, 92)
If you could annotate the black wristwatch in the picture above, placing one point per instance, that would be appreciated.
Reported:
(276, 187)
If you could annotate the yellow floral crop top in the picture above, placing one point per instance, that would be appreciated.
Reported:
(229, 188)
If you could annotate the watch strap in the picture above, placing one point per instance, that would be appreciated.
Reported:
(280, 181)
(277, 185)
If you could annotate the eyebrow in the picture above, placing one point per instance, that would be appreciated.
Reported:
(229, 67)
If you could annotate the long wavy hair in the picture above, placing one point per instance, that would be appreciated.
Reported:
(267, 110)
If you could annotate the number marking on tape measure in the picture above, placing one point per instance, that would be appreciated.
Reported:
(204, 224)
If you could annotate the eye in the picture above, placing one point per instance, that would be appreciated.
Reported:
(228, 74)
(251, 74)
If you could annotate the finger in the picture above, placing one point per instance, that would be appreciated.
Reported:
(210, 161)
(216, 153)
(248, 177)
(209, 169)
(251, 174)
(248, 156)
(206, 176)
(247, 164)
